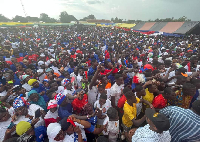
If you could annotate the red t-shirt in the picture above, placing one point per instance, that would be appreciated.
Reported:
(20, 59)
(79, 104)
(121, 101)
(32, 57)
(107, 56)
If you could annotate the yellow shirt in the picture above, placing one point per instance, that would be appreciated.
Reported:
(148, 97)
(130, 112)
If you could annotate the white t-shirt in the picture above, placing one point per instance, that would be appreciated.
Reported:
(71, 138)
(79, 78)
(92, 95)
(116, 91)
(27, 87)
(60, 89)
(41, 78)
(138, 106)
(144, 134)
(107, 105)
(2, 94)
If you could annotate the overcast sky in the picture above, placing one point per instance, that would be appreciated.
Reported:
(105, 9)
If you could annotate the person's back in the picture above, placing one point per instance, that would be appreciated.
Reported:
(184, 123)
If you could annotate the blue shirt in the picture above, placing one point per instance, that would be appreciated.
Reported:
(93, 121)
(184, 124)
(194, 98)
(39, 90)
(65, 111)
(91, 71)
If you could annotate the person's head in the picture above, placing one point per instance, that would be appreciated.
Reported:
(50, 75)
(168, 63)
(53, 85)
(102, 139)
(152, 88)
(196, 82)
(55, 132)
(29, 72)
(101, 88)
(126, 89)
(20, 105)
(181, 80)
(4, 115)
(87, 110)
(94, 63)
(104, 79)
(61, 99)
(67, 125)
(67, 83)
(52, 105)
(169, 94)
(14, 60)
(140, 91)
(80, 93)
(130, 96)
(46, 83)
(19, 67)
(181, 70)
(119, 79)
(33, 82)
(196, 107)
(112, 113)
(103, 98)
(33, 96)
(24, 127)
(188, 89)
(158, 122)
(25, 62)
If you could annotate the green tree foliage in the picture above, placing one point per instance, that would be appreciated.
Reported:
(3, 18)
(20, 19)
(117, 20)
(66, 18)
(88, 17)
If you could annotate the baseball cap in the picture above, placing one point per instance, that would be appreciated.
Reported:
(159, 120)
(52, 104)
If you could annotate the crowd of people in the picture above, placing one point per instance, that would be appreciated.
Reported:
(95, 84)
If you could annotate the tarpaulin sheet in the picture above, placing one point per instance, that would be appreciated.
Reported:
(171, 27)
(138, 26)
(187, 26)
(147, 25)
(158, 26)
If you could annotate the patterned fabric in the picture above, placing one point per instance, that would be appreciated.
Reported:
(184, 124)
(65, 82)
(144, 134)
(59, 98)
(183, 101)
(19, 102)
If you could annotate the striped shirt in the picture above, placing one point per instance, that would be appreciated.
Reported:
(184, 124)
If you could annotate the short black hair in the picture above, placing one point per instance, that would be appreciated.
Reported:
(180, 77)
(126, 89)
(138, 88)
(52, 81)
(103, 96)
(117, 76)
(101, 86)
(102, 139)
(182, 70)
(129, 95)
(93, 61)
(188, 86)
(168, 62)
(112, 113)
(155, 72)
(167, 90)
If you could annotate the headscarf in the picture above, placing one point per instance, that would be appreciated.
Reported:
(23, 77)
(22, 127)
(65, 81)
(40, 102)
(31, 81)
(19, 102)
(52, 130)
